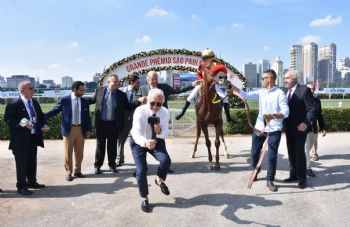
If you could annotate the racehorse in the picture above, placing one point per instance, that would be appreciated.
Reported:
(209, 112)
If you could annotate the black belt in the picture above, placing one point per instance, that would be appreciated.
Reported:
(77, 125)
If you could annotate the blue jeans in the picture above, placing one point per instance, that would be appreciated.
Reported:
(257, 144)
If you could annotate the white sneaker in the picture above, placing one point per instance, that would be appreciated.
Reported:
(315, 158)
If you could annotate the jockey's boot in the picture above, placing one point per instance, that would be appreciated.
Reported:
(187, 104)
(228, 116)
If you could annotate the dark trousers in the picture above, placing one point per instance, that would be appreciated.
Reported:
(123, 136)
(106, 130)
(296, 154)
(26, 165)
(139, 154)
(273, 144)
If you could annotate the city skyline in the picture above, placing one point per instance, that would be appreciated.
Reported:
(50, 39)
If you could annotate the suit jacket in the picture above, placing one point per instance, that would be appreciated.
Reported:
(128, 114)
(20, 136)
(168, 90)
(318, 116)
(301, 110)
(65, 105)
(121, 105)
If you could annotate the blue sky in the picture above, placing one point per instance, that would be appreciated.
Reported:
(54, 38)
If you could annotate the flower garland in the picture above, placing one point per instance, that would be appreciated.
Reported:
(234, 101)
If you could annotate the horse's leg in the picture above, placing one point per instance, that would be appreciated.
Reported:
(217, 145)
(208, 143)
(198, 135)
(221, 132)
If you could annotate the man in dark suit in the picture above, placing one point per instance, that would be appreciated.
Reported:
(130, 91)
(152, 80)
(311, 137)
(109, 121)
(25, 138)
(75, 123)
(301, 114)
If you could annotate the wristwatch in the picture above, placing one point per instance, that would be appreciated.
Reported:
(274, 116)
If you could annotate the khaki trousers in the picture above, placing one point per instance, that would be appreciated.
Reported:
(75, 140)
(311, 139)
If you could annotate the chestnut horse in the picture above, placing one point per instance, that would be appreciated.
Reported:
(209, 113)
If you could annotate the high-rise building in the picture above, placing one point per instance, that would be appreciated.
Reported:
(310, 56)
(67, 82)
(51, 83)
(96, 77)
(344, 62)
(249, 72)
(263, 66)
(3, 82)
(327, 62)
(296, 58)
(344, 69)
(13, 81)
(278, 68)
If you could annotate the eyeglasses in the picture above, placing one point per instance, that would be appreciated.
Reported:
(159, 104)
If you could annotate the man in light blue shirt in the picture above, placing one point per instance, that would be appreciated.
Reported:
(273, 104)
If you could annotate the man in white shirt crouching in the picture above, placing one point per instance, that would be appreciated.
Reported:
(141, 142)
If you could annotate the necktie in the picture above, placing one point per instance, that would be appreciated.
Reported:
(32, 113)
(76, 112)
(132, 95)
(109, 104)
(289, 95)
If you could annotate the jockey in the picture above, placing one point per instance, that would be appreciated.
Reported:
(206, 55)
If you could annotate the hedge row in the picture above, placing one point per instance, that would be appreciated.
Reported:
(336, 119)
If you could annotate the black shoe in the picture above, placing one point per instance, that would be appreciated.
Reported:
(256, 176)
(187, 104)
(290, 179)
(163, 187)
(36, 185)
(118, 164)
(302, 184)
(0, 190)
(113, 169)
(170, 171)
(310, 173)
(24, 191)
(98, 170)
(144, 206)
(227, 112)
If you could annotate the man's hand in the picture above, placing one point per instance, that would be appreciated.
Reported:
(143, 99)
(157, 128)
(150, 144)
(197, 82)
(231, 86)
(46, 128)
(324, 133)
(302, 127)
(269, 117)
(30, 126)
(88, 135)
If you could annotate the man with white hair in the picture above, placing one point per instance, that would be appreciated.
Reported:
(25, 138)
(142, 141)
(301, 114)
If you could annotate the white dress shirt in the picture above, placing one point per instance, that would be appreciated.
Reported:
(293, 90)
(130, 91)
(272, 102)
(25, 101)
(73, 107)
(141, 131)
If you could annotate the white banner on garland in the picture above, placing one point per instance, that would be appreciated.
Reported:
(10, 94)
(57, 93)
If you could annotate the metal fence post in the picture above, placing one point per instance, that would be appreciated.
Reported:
(173, 121)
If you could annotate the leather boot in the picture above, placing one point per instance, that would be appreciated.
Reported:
(228, 116)
(187, 104)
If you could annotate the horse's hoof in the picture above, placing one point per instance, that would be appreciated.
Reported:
(227, 156)
(217, 168)
(192, 155)
(210, 167)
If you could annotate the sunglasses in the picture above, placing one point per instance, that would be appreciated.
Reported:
(159, 104)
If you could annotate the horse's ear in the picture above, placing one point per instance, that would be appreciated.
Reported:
(216, 57)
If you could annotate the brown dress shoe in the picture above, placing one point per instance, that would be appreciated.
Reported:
(69, 177)
(80, 175)
(271, 186)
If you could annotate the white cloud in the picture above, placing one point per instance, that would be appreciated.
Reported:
(196, 17)
(157, 11)
(248, 60)
(238, 25)
(55, 66)
(218, 29)
(309, 39)
(144, 39)
(74, 44)
(327, 21)
(78, 60)
(266, 48)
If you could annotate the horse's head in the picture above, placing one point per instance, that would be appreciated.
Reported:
(216, 71)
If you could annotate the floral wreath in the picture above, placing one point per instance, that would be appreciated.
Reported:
(234, 101)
